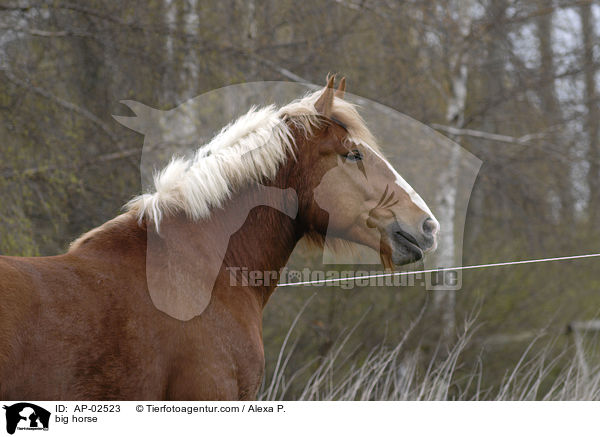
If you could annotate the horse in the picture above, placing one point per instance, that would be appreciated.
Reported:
(144, 306)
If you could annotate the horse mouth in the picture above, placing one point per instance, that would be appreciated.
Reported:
(406, 251)
(406, 238)
(403, 248)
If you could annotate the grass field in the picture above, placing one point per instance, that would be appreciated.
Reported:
(396, 373)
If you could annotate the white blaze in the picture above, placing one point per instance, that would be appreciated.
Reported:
(414, 196)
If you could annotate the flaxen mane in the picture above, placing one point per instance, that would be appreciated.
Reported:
(251, 149)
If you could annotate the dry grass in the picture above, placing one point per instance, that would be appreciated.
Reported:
(398, 374)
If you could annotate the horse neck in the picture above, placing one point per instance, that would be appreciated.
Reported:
(268, 235)
(256, 230)
(270, 226)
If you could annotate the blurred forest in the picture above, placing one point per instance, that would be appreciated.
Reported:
(514, 82)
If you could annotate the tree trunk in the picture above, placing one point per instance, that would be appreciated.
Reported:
(445, 301)
(553, 116)
(591, 121)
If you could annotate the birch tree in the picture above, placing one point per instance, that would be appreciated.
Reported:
(591, 104)
(457, 49)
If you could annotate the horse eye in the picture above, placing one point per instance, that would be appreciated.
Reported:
(355, 155)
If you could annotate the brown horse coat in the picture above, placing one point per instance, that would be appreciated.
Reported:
(82, 326)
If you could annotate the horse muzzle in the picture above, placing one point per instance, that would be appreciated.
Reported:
(406, 247)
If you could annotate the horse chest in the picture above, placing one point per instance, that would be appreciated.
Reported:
(217, 362)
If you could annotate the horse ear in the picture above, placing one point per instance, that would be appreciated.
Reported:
(341, 89)
(324, 103)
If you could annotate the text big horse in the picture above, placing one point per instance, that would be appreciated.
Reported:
(143, 307)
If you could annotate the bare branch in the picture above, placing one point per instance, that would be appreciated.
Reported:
(281, 70)
(10, 173)
(490, 136)
(71, 107)
(61, 102)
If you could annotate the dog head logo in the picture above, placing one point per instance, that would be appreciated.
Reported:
(26, 416)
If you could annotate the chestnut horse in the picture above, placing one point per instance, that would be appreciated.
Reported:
(136, 309)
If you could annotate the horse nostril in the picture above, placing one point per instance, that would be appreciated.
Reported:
(429, 226)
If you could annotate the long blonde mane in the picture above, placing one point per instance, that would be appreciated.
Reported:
(251, 149)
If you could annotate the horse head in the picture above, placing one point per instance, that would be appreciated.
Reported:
(351, 192)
